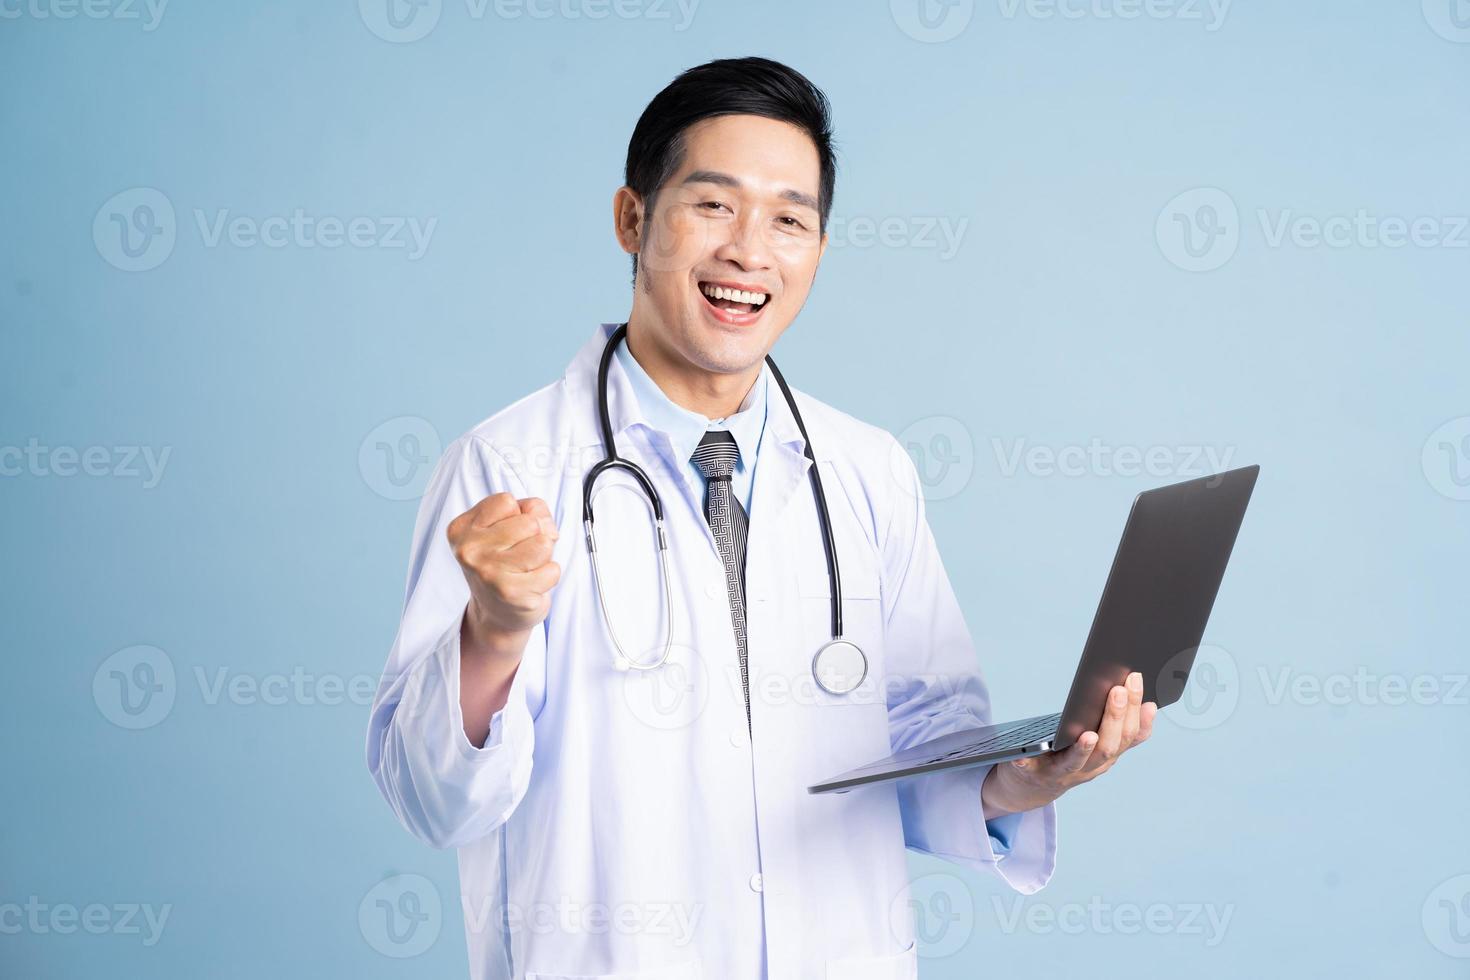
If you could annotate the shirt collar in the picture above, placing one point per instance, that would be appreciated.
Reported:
(580, 386)
(683, 427)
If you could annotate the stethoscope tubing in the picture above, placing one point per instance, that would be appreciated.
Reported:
(611, 460)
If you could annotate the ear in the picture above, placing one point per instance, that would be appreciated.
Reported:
(628, 219)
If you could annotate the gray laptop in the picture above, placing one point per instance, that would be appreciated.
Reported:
(1151, 618)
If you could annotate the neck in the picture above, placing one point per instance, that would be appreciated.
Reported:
(710, 393)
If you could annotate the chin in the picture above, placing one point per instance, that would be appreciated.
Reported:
(721, 349)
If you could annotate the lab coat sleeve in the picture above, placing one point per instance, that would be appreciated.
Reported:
(935, 688)
(442, 788)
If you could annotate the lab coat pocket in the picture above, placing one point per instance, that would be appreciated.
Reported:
(693, 970)
(901, 966)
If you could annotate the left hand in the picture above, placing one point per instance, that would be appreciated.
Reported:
(1025, 784)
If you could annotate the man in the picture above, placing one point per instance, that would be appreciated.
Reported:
(655, 822)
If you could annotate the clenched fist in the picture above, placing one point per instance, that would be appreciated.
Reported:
(503, 546)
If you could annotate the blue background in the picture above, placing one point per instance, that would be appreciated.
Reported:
(1332, 834)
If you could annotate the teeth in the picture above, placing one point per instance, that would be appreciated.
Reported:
(735, 295)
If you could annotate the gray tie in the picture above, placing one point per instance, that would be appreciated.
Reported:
(716, 457)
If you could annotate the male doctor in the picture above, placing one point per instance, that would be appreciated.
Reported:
(621, 823)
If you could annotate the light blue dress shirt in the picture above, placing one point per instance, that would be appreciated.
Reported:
(685, 428)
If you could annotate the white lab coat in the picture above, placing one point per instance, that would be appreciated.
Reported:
(621, 824)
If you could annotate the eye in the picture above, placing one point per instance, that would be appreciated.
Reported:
(795, 227)
(713, 205)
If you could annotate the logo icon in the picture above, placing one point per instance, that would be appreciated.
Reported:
(397, 458)
(1199, 230)
(1207, 693)
(1446, 917)
(1446, 459)
(1450, 19)
(135, 229)
(941, 912)
(932, 21)
(400, 21)
(671, 696)
(942, 452)
(135, 687)
(401, 916)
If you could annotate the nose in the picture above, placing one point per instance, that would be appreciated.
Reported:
(745, 245)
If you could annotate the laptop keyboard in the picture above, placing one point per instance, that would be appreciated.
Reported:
(1041, 728)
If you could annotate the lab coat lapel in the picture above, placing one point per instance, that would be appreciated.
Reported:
(780, 473)
(581, 384)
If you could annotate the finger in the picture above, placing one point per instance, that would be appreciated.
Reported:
(529, 554)
(1110, 732)
(493, 509)
(540, 581)
(508, 532)
(535, 506)
(1146, 716)
(1038, 766)
(489, 510)
(1074, 759)
(1135, 701)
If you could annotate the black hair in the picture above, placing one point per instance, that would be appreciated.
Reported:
(729, 86)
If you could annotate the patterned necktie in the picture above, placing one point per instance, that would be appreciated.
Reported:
(716, 457)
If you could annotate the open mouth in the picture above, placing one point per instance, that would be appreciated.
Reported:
(736, 302)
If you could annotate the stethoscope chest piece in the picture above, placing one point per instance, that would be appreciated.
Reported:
(839, 666)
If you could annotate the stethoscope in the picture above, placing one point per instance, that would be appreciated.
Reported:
(839, 666)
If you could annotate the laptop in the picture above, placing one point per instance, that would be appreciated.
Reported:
(1151, 618)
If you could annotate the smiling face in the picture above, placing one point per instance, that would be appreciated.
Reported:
(727, 258)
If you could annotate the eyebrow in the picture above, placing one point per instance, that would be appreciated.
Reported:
(726, 180)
